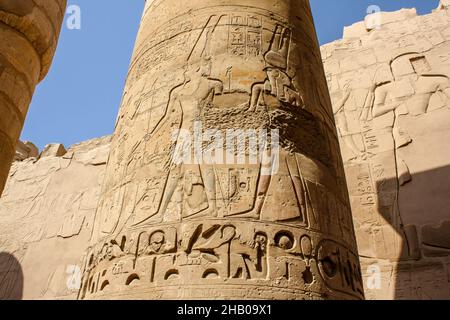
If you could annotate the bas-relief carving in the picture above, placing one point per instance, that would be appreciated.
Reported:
(160, 223)
(185, 101)
(367, 122)
(46, 216)
(30, 193)
(217, 252)
(378, 114)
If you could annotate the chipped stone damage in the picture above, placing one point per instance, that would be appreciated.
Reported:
(393, 127)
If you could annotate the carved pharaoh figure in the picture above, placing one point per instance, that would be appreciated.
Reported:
(369, 123)
(195, 91)
(240, 82)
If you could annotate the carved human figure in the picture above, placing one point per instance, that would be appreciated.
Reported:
(423, 81)
(224, 216)
(197, 90)
(346, 115)
(410, 72)
(278, 83)
(413, 87)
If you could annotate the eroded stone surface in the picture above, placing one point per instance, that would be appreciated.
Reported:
(443, 4)
(408, 162)
(25, 150)
(224, 229)
(53, 150)
(390, 88)
(46, 219)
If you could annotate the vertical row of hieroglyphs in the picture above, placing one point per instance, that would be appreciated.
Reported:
(389, 80)
(29, 33)
(258, 207)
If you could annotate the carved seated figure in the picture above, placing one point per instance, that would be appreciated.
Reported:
(277, 83)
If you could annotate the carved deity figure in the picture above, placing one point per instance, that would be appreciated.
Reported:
(278, 83)
(348, 119)
(197, 228)
(197, 90)
(419, 76)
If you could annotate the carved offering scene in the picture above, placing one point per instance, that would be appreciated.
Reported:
(240, 155)
(224, 178)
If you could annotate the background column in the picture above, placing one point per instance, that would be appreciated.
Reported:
(29, 33)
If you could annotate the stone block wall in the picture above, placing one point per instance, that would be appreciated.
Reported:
(46, 219)
(390, 87)
(390, 91)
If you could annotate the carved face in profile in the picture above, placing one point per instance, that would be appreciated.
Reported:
(260, 241)
(191, 72)
(206, 66)
(409, 65)
(156, 241)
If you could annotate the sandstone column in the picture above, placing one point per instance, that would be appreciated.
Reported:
(267, 219)
(29, 32)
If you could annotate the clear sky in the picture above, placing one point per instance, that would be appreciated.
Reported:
(80, 97)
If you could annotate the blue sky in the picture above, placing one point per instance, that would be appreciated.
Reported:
(80, 97)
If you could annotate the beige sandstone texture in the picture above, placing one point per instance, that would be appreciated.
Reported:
(389, 82)
(29, 33)
(396, 162)
(25, 150)
(46, 218)
(278, 227)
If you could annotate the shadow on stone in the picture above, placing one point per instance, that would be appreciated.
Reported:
(11, 277)
(417, 212)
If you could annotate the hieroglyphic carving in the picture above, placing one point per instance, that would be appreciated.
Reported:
(47, 212)
(390, 90)
(245, 35)
(222, 252)
(222, 214)
(368, 122)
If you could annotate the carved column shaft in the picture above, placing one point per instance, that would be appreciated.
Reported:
(274, 223)
(29, 33)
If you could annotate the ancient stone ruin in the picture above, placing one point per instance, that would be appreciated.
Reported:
(46, 216)
(390, 87)
(29, 32)
(153, 222)
(256, 207)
